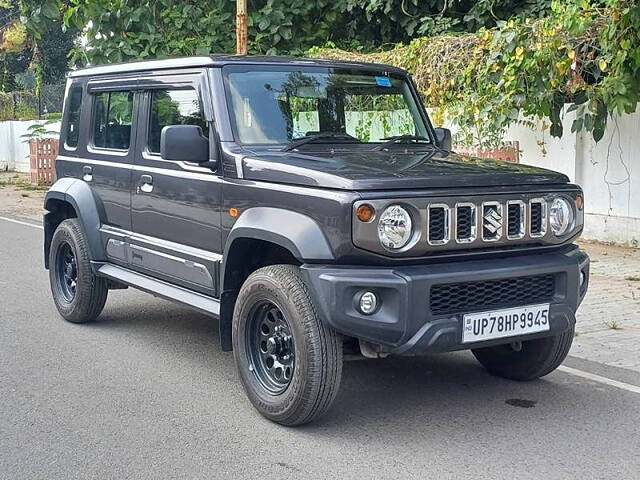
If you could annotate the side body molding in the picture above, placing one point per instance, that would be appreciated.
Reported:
(78, 194)
(298, 233)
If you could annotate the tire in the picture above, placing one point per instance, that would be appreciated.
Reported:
(82, 302)
(536, 358)
(310, 377)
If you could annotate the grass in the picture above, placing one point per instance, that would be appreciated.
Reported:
(613, 325)
(21, 182)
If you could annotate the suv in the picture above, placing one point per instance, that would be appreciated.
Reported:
(311, 208)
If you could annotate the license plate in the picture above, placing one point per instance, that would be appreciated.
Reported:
(508, 322)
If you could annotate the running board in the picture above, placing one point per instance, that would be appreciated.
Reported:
(202, 303)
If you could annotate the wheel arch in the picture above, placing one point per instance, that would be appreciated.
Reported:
(265, 236)
(72, 198)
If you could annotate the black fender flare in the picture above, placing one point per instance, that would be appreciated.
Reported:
(296, 232)
(78, 194)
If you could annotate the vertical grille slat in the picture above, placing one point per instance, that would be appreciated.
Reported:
(516, 213)
(538, 218)
(465, 222)
(439, 224)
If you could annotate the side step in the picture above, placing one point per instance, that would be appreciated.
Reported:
(202, 303)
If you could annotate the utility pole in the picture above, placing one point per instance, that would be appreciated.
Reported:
(241, 27)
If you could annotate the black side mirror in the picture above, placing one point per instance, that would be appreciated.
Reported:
(443, 138)
(185, 143)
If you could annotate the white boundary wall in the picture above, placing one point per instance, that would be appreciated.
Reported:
(608, 172)
(14, 154)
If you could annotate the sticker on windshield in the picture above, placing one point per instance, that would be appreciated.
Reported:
(383, 81)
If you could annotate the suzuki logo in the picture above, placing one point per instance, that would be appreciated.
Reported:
(492, 220)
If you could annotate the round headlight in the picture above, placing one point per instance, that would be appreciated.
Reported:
(394, 227)
(561, 217)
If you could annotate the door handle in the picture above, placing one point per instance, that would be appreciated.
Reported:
(87, 173)
(146, 183)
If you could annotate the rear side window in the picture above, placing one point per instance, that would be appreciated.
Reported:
(112, 117)
(173, 107)
(73, 117)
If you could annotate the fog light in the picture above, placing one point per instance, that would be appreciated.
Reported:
(368, 303)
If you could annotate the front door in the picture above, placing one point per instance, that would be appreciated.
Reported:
(176, 205)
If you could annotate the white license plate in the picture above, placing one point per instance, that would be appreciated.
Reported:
(508, 322)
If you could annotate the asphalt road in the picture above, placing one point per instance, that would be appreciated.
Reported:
(146, 393)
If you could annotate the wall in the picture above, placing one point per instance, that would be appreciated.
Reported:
(608, 172)
(14, 153)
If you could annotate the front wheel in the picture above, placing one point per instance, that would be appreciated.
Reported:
(289, 361)
(533, 359)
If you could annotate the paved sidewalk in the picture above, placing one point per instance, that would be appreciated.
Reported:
(608, 323)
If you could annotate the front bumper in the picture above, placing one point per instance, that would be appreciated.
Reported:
(405, 323)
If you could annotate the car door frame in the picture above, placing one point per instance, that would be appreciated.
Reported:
(180, 264)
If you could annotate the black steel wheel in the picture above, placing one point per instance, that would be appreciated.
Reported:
(271, 347)
(79, 294)
(289, 360)
(66, 271)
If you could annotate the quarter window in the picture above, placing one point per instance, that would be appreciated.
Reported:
(173, 107)
(112, 118)
(73, 117)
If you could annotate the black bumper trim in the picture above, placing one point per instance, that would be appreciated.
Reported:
(404, 323)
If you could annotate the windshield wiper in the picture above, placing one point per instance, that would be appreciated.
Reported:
(318, 136)
(401, 139)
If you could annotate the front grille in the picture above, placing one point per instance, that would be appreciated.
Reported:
(466, 297)
(494, 221)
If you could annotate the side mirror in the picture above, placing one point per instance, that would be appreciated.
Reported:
(443, 138)
(185, 143)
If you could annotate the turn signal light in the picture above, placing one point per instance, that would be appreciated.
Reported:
(365, 212)
(579, 202)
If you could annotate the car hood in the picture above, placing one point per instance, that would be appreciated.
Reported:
(380, 170)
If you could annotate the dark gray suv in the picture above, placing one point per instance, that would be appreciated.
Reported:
(311, 208)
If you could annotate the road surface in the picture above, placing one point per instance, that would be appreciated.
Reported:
(145, 392)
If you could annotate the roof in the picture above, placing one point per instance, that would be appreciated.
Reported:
(220, 60)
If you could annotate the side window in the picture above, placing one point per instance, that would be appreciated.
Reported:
(112, 117)
(173, 107)
(73, 117)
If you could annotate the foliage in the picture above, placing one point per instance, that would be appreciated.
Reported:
(39, 130)
(118, 30)
(585, 53)
(33, 43)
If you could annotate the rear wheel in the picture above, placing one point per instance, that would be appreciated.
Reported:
(528, 360)
(78, 293)
(289, 361)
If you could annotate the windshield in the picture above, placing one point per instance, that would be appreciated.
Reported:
(279, 105)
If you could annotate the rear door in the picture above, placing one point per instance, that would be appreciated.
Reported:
(98, 145)
(175, 204)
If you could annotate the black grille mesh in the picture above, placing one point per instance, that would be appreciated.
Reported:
(436, 224)
(465, 222)
(514, 219)
(536, 218)
(474, 296)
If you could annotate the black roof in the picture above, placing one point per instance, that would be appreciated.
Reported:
(220, 60)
